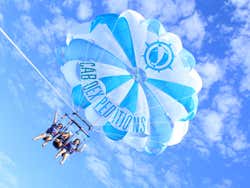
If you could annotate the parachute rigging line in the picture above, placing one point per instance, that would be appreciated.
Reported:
(44, 78)
(35, 68)
(38, 71)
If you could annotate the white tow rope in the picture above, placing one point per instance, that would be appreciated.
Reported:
(36, 69)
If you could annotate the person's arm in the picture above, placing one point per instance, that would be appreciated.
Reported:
(58, 133)
(64, 115)
(81, 149)
(55, 118)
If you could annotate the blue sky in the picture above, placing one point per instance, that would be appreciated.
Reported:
(215, 152)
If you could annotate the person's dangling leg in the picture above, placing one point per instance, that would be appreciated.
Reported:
(47, 140)
(65, 156)
(41, 136)
(61, 152)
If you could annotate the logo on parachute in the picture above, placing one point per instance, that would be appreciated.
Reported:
(159, 56)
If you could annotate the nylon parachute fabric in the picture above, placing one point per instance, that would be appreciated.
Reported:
(134, 79)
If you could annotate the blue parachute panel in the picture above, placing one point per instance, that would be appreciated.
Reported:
(187, 58)
(80, 49)
(140, 90)
(154, 26)
(130, 101)
(108, 19)
(191, 104)
(78, 97)
(112, 132)
(120, 29)
(160, 125)
(183, 94)
(113, 82)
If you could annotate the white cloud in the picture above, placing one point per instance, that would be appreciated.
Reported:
(181, 13)
(240, 141)
(132, 165)
(16, 88)
(23, 5)
(173, 180)
(39, 40)
(241, 12)
(212, 125)
(219, 122)
(49, 98)
(99, 167)
(151, 8)
(116, 6)
(55, 10)
(47, 95)
(221, 183)
(1, 18)
(225, 29)
(225, 183)
(168, 11)
(229, 106)
(56, 28)
(175, 10)
(227, 103)
(6, 160)
(186, 7)
(240, 3)
(44, 49)
(238, 56)
(137, 170)
(7, 177)
(67, 3)
(59, 27)
(31, 35)
(201, 146)
(125, 160)
(43, 38)
(180, 16)
(101, 170)
(84, 10)
(165, 10)
(193, 29)
(210, 72)
(220, 125)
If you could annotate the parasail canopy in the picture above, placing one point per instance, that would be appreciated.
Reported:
(134, 79)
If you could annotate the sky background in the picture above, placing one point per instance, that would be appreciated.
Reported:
(214, 154)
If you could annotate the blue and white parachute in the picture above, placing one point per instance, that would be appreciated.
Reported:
(134, 79)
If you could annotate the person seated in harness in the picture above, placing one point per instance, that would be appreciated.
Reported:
(69, 149)
(51, 132)
(62, 139)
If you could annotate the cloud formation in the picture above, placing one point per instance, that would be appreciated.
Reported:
(84, 10)
(217, 126)
(7, 177)
(116, 6)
